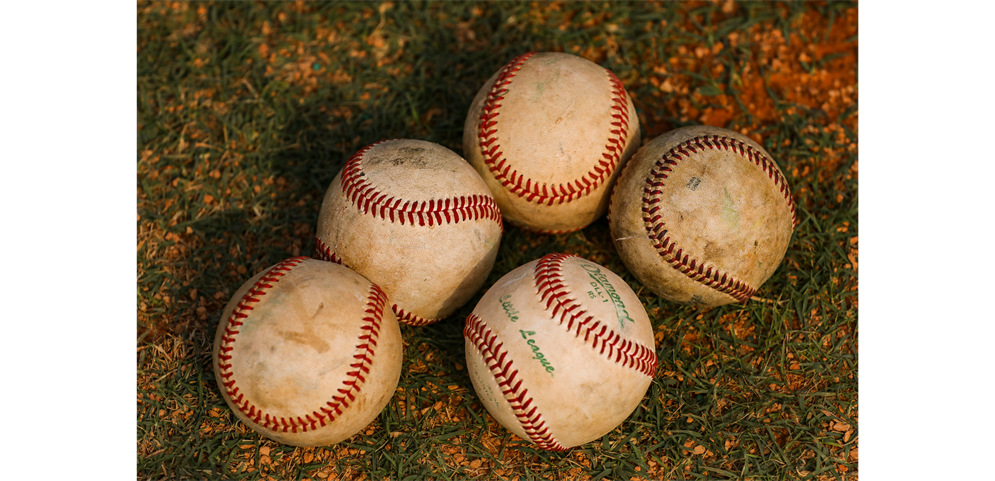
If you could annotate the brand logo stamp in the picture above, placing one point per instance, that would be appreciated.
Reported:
(606, 292)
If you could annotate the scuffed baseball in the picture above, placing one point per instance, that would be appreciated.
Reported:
(702, 216)
(416, 219)
(549, 133)
(560, 351)
(307, 352)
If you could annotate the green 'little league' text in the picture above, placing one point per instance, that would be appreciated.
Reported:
(536, 353)
(508, 308)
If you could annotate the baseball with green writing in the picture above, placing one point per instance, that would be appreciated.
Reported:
(702, 216)
(560, 351)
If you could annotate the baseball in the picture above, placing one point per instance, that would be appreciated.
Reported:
(417, 220)
(560, 351)
(702, 216)
(307, 353)
(549, 133)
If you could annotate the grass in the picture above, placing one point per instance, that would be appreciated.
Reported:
(246, 111)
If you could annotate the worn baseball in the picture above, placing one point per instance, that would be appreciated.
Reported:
(307, 353)
(560, 351)
(549, 133)
(416, 219)
(702, 216)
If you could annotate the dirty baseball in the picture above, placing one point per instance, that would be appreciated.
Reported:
(413, 217)
(560, 351)
(307, 352)
(549, 133)
(702, 216)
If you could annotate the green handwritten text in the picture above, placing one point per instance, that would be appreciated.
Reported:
(537, 355)
(508, 308)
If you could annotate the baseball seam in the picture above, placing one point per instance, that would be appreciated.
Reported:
(325, 253)
(553, 291)
(504, 372)
(369, 200)
(410, 318)
(543, 193)
(365, 352)
(672, 253)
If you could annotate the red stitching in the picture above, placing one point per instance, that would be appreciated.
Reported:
(553, 291)
(543, 193)
(369, 200)
(411, 319)
(324, 252)
(670, 251)
(366, 350)
(506, 375)
(364, 358)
